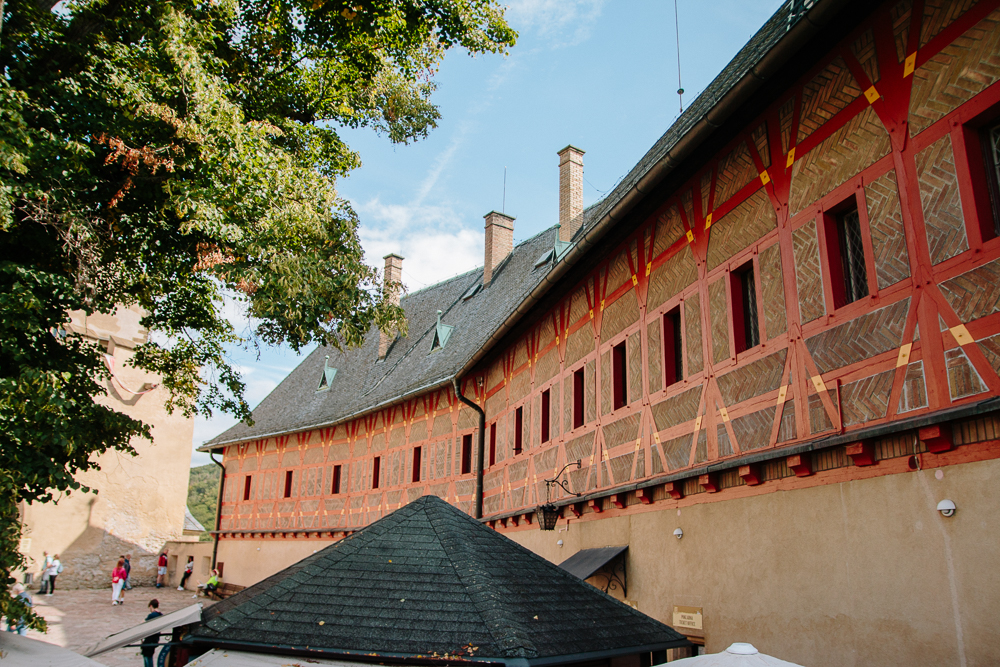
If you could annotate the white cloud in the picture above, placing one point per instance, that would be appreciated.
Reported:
(433, 240)
(561, 22)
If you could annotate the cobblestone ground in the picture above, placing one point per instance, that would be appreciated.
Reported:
(79, 618)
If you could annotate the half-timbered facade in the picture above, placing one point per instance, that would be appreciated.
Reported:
(780, 333)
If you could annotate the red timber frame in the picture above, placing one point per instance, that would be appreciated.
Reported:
(655, 449)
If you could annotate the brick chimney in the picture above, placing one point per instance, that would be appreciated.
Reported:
(499, 242)
(570, 192)
(393, 280)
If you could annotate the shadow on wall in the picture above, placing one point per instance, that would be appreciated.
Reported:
(89, 560)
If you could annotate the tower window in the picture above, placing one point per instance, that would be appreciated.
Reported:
(990, 138)
(376, 471)
(578, 398)
(746, 324)
(466, 454)
(246, 488)
(288, 483)
(673, 362)
(518, 430)
(618, 377)
(416, 464)
(335, 486)
(546, 406)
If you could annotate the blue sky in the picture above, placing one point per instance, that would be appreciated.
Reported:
(596, 74)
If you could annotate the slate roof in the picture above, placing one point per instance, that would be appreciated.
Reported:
(362, 385)
(429, 579)
(191, 523)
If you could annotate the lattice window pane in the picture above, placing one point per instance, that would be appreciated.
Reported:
(852, 252)
(751, 323)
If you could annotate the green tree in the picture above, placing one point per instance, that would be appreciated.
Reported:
(167, 154)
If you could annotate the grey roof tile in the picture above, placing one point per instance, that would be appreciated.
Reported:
(494, 594)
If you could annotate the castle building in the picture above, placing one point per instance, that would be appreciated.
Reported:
(768, 358)
(138, 503)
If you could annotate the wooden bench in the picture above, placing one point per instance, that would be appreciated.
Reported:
(223, 591)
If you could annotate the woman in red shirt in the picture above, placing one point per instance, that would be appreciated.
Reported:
(117, 581)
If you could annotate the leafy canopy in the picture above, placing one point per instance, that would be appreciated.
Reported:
(166, 154)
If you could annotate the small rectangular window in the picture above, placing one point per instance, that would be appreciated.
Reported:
(466, 454)
(288, 483)
(376, 471)
(246, 488)
(335, 486)
(518, 430)
(416, 464)
(221, 568)
(746, 323)
(493, 444)
(546, 406)
(618, 375)
(673, 362)
(845, 251)
(578, 399)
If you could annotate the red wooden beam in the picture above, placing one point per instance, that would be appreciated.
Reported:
(645, 496)
(800, 465)
(618, 500)
(709, 482)
(674, 489)
(750, 474)
(576, 509)
(596, 504)
(936, 438)
(862, 453)
(528, 517)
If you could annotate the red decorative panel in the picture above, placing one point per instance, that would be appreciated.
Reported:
(829, 92)
(739, 228)
(773, 289)
(692, 335)
(859, 339)
(942, 205)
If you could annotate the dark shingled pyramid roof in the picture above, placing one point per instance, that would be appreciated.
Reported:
(428, 579)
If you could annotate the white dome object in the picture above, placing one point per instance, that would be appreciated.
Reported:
(742, 648)
(946, 507)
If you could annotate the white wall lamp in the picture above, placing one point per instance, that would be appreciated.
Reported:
(678, 533)
(946, 507)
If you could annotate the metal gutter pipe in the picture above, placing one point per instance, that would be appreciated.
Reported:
(814, 21)
(482, 445)
(218, 506)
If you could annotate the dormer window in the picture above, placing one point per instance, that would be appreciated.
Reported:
(472, 291)
(442, 333)
(553, 254)
(326, 379)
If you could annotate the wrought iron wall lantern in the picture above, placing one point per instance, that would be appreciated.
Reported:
(548, 514)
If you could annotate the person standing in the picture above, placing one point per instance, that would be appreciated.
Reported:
(128, 572)
(188, 569)
(161, 569)
(19, 625)
(44, 576)
(117, 581)
(55, 567)
(149, 644)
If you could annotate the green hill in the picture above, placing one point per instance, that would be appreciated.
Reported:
(203, 494)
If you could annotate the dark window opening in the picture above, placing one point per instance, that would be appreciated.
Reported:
(376, 471)
(518, 430)
(335, 487)
(546, 406)
(246, 488)
(578, 399)
(466, 454)
(846, 254)
(618, 377)
(746, 323)
(493, 444)
(288, 483)
(989, 138)
(673, 362)
(416, 464)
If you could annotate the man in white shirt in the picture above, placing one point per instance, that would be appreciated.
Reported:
(55, 567)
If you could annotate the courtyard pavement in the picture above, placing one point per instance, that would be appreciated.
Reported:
(78, 618)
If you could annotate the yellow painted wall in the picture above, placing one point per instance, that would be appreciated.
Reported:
(858, 573)
(139, 503)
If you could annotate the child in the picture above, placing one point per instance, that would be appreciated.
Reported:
(149, 644)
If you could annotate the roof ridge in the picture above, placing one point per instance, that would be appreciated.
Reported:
(514, 640)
